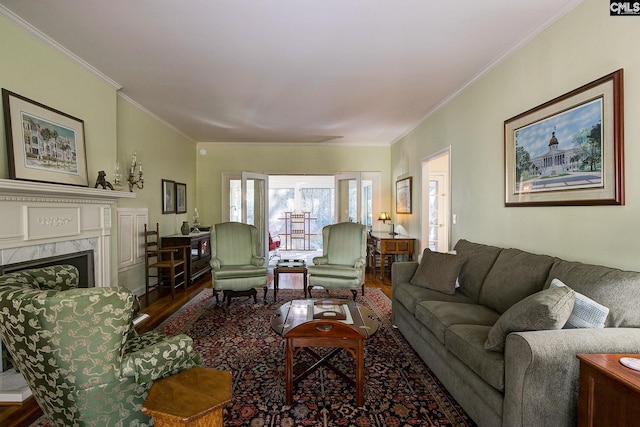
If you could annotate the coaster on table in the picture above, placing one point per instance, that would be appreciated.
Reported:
(631, 362)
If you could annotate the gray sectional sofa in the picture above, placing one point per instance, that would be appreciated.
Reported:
(534, 380)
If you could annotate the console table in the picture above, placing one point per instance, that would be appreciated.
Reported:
(199, 261)
(386, 244)
(609, 392)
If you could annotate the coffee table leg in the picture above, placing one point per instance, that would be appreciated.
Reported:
(360, 373)
(288, 367)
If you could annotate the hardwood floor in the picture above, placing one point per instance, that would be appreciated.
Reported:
(160, 307)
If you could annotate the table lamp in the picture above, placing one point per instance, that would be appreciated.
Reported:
(384, 217)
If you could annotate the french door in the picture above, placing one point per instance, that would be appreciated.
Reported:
(255, 206)
(348, 197)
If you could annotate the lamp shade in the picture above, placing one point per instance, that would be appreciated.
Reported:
(384, 217)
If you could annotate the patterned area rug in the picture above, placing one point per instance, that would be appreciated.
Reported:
(400, 390)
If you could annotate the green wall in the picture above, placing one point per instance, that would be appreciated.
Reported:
(114, 128)
(584, 45)
(283, 159)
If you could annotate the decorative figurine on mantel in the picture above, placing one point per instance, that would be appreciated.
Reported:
(102, 181)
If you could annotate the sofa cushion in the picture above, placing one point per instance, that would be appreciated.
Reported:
(466, 343)
(586, 312)
(613, 288)
(409, 296)
(547, 309)
(439, 315)
(515, 275)
(438, 271)
(479, 260)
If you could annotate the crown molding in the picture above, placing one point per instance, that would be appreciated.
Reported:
(57, 46)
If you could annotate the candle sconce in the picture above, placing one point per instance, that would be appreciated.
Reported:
(133, 182)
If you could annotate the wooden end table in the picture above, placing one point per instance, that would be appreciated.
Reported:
(609, 392)
(195, 397)
(289, 267)
(296, 323)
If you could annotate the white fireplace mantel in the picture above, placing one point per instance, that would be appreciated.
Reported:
(16, 188)
(41, 220)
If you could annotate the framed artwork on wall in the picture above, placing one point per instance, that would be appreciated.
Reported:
(568, 151)
(168, 196)
(181, 197)
(403, 196)
(43, 144)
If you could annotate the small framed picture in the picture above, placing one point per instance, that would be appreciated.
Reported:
(181, 197)
(168, 196)
(403, 196)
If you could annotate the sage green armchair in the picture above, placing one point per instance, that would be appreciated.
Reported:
(237, 270)
(343, 259)
(78, 350)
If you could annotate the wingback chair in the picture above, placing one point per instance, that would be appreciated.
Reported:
(78, 350)
(236, 268)
(343, 259)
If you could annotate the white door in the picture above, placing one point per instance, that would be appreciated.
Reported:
(348, 197)
(255, 207)
(436, 201)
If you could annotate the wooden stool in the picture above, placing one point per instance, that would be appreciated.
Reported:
(194, 398)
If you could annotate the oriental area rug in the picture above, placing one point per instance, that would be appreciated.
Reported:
(400, 390)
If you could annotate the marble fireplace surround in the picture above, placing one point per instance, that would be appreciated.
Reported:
(41, 220)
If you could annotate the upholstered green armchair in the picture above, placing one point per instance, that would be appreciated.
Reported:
(343, 259)
(236, 268)
(78, 351)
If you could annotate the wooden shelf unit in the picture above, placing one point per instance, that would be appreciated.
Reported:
(297, 232)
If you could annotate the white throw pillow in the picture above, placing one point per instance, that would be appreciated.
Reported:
(586, 312)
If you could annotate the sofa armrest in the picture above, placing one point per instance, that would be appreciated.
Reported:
(402, 272)
(542, 371)
(171, 355)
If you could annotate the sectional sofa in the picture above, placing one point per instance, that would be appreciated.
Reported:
(490, 325)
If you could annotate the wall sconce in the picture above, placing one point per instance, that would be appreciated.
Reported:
(132, 175)
(384, 217)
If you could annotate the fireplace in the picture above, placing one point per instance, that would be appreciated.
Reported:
(83, 261)
(50, 223)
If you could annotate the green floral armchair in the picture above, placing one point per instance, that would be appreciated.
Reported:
(78, 350)
(343, 259)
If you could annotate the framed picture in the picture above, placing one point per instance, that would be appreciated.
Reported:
(403, 196)
(43, 144)
(181, 197)
(568, 151)
(168, 196)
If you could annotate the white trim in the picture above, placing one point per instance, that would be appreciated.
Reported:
(48, 40)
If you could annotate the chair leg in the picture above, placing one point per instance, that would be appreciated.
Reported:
(355, 294)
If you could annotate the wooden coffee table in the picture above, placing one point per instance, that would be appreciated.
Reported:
(296, 323)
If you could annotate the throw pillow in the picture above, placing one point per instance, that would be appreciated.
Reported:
(547, 309)
(438, 271)
(586, 312)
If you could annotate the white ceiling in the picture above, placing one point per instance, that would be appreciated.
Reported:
(344, 71)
